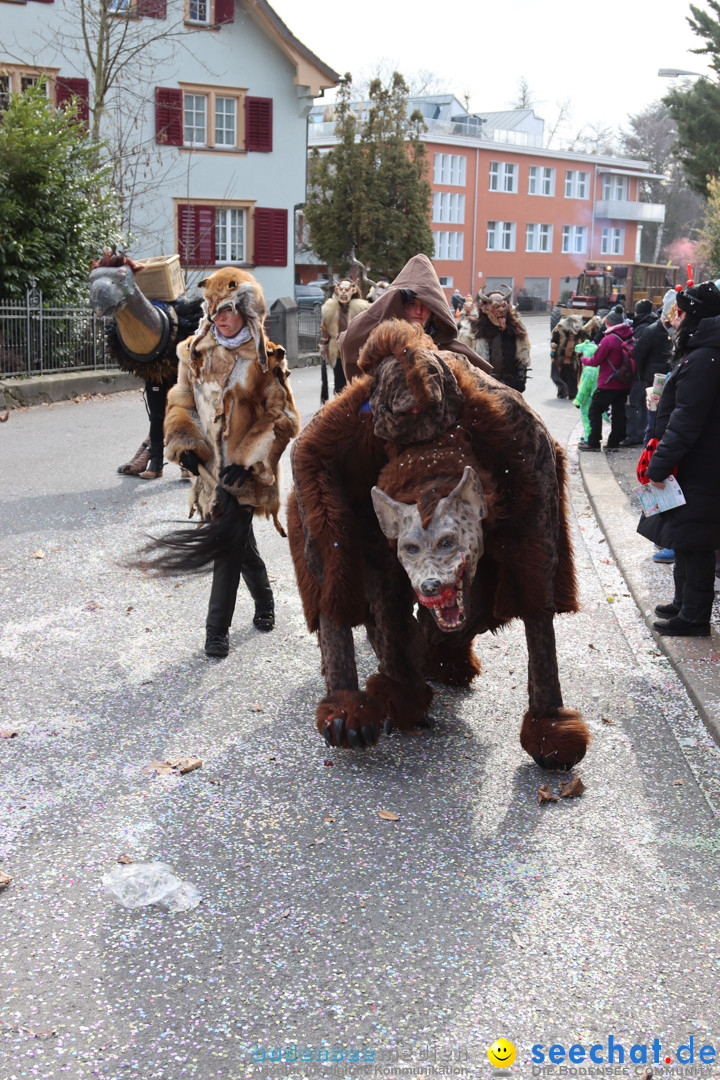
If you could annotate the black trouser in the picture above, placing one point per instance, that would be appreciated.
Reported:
(155, 402)
(694, 574)
(244, 560)
(636, 411)
(565, 378)
(602, 400)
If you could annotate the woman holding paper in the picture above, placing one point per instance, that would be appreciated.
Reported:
(688, 432)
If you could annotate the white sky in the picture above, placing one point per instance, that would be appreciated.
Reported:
(603, 57)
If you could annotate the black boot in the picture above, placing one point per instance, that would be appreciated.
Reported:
(155, 465)
(264, 618)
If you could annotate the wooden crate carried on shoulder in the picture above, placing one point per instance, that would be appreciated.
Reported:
(161, 277)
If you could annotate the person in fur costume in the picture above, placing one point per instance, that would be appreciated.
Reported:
(415, 295)
(337, 313)
(229, 418)
(142, 337)
(429, 482)
(565, 338)
(495, 332)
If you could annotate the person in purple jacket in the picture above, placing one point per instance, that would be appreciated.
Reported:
(612, 392)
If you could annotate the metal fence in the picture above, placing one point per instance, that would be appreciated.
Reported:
(38, 338)
(308, 330)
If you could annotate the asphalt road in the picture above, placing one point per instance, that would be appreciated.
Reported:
(371, 946)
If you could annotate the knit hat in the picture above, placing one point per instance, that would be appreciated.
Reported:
(643, 307)
(702, 301)
(615, 317)
(669, 299)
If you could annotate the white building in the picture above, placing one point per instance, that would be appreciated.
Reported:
(208, 120)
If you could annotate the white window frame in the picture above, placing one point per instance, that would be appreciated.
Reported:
(538, 238)
(504, 177)
(449, 246)
(612, 241)
(192, 132)
(448, 207)
(541, 177)
(501, 236)
(576, 184)
(213, 94)
(194, 15)
(614, 187)
(224, 225)
(574, 239)
(221, 129)
(449, 169)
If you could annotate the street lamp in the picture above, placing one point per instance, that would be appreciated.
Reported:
(673, 73)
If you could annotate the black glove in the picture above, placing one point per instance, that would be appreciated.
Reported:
(190, 461)
(233, 474)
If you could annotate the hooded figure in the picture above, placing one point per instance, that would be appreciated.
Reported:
(686, 427)
(418, 280)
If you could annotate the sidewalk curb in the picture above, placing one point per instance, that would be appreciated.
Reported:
(696, 660)
(63, 386)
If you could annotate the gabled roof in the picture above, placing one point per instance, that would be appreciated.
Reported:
(310, 70)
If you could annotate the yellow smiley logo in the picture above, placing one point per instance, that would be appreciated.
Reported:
(501, 1053)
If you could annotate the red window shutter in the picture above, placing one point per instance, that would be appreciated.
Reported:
(224, 12)
(259, 124)
(152, 9)
(67, 89)
(168, 116)
(196, 235)
(270, 237)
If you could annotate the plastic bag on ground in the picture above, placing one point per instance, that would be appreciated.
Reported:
(143, 883)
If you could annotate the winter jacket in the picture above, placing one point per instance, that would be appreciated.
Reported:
(688, 426)
(609, 355)
(652, 353)
(642, 323)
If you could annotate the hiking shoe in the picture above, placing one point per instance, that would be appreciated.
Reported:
(136, 464)
(677, 627)
(587, 446)
(665, 555)
(217, 642)
(666, 611)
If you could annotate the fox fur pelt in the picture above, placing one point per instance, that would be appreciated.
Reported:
(348, 574)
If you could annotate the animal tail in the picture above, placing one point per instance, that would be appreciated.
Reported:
(194, 550)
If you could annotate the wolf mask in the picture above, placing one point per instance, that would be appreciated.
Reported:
(442, 558)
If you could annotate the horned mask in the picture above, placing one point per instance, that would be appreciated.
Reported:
(496, 304)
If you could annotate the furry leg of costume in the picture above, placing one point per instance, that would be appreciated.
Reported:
(555, 737)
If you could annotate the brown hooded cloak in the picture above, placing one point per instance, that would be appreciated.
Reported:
(419, 275)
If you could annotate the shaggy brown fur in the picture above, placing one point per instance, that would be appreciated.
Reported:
(348, 573)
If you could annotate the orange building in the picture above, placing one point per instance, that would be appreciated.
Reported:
(505, 209)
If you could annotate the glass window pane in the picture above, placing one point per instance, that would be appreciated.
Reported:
(225, 122)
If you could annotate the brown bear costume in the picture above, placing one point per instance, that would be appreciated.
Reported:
(415, 425)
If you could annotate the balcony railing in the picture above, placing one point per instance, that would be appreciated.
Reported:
(623, 210)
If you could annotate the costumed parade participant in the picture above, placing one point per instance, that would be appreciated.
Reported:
(142, 338)
(567, 335)
(228, 421)
(686, 445)
(428, 483)
(495, 332)
(415, 295)
(337, 314)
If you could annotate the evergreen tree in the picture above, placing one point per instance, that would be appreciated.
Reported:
(710, 233)
(57, 208)
(371, 194)
(696, 109)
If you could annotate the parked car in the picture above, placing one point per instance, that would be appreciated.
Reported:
(309, 297)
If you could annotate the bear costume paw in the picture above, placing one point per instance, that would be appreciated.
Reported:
(349, 718)
(555, 738)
